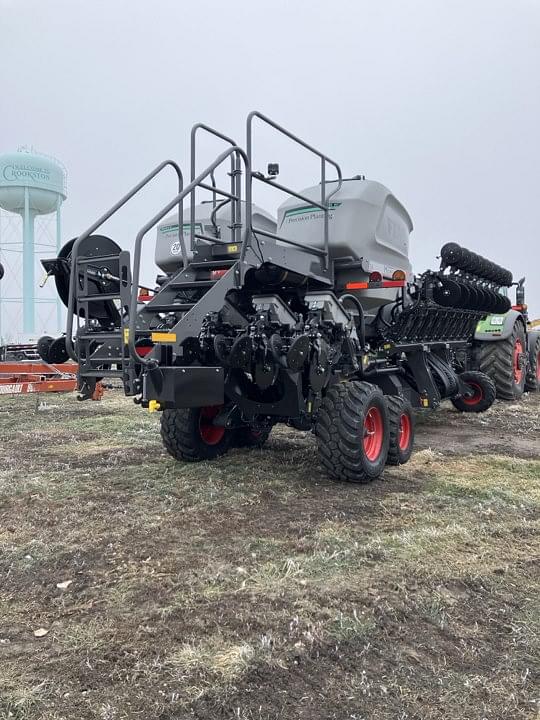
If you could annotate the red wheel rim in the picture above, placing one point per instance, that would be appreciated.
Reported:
(404, 431)
(518, 372)
(210, 434)
(477, 395)
(538, 367)
(373, 433)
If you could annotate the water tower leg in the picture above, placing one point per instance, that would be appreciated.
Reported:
(28, 266)
(58, 246)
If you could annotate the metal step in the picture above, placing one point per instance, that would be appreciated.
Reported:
(172, 307)
(190, 284)
(199, 265)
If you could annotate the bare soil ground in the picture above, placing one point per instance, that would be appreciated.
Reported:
(253, 588)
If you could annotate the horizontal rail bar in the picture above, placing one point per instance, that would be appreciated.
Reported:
(218, 191)
(211, 239)
(317, 251)
(289, 191)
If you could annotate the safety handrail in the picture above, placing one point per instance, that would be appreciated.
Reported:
(233, 150)
(324, 159)
(74, 251)
(235, 179)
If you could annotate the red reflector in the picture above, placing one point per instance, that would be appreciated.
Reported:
(356, 286)
(143, 350)
(144, 298)
(375, 277)
(374, 285)
(216, 274)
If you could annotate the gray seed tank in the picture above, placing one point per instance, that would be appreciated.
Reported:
(168, 254)
(368, 227)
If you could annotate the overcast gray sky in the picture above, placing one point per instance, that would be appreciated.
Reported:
(439, 100)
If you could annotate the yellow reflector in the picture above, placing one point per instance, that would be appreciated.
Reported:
(161, 337)
(126, 336)
(232, 248)
(399, 275)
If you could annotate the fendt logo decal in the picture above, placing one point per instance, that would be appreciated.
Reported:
(308, 212)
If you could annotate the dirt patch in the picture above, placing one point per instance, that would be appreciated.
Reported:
(255, 588)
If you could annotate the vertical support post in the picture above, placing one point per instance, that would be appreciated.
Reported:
(1, 306)
(59, 323)
(323, 202)
(28, 266)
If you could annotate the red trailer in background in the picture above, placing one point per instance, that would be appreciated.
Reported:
(17, 378)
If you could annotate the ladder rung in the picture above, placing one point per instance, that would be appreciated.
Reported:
(101, 296)
(172, 307)
(91, 260)
(190, 284)
(200, 264)
(99, 336)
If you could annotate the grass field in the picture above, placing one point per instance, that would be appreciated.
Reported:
(253, 588)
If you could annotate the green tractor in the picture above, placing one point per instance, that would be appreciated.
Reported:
(508, 351)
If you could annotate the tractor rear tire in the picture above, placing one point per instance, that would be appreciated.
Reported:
(188, 434)
(500, 360)
(484, 393)
(532, 382)
(401, 423)
(247, 437)
(352, 432)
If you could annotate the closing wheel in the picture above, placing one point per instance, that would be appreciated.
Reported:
(505, 362)
(532, 382)
(352, 432)
(190, 433)
(401, 430)
(483, 393)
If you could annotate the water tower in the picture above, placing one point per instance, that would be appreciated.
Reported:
(31, 185)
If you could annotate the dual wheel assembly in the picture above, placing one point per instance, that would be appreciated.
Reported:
(358, 431)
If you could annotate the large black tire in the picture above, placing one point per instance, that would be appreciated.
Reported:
(43, 346)
(498, 359)
(188, 434)
(401, 424)
(352, 432)
(532, 382)
(484, 393)
(57, 351)
(247, 437)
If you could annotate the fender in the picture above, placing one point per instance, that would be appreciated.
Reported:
(487, 330)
